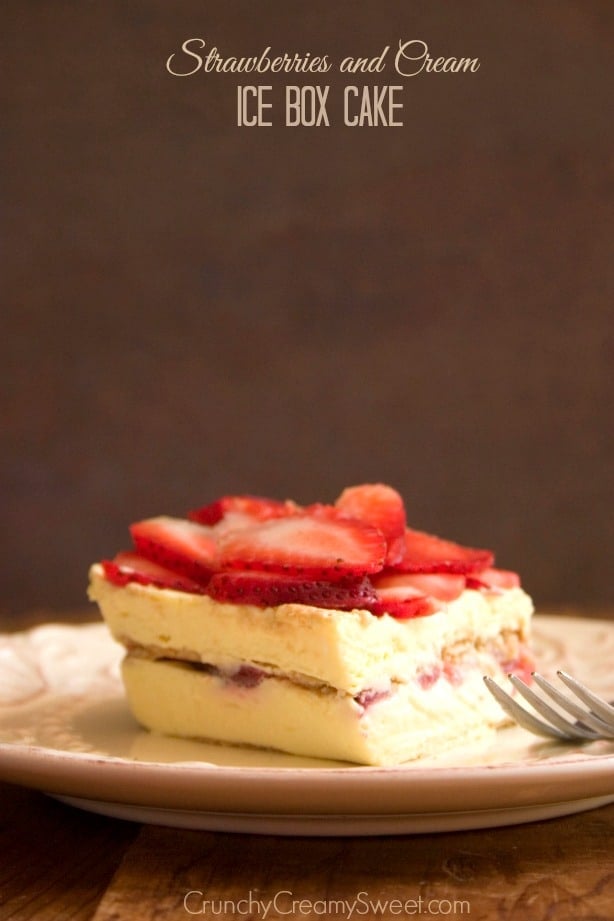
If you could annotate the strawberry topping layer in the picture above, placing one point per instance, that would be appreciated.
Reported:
(271, 589)
(380, 506)
(428, 553)
(354, 554)
(183, 546)
(130, 567)
(251, 508)
(494, 580)
(312, 546)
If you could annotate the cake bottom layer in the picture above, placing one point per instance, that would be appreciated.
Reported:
(378, 728)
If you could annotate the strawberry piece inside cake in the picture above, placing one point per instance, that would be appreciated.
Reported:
(332, 630)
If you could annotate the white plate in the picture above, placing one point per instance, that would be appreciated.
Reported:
(65, 729)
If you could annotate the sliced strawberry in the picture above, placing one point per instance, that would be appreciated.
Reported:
(395, 551)
(402, 606)
(428, 553)
(400, 596)
(183, 546)
(130, 567)
(499, 579)
(441, 586)
(271, 589)
(309, 546)
(378, 505)
(250, 508)
(403, 609)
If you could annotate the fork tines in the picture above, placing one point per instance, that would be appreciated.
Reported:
(597, 722)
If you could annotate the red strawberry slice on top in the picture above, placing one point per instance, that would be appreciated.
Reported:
(429, 554)
(131, 567)
(180, 545)
(398, 597)
(271, 589)
(440, 586)
(310, 546)
(375, 504)
(247, 508)
(381, 506)
(498, 579)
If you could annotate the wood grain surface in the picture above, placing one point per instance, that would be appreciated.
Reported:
(60, 863)
(55, 862)
(555, 870)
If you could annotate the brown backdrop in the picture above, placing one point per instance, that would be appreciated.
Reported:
(195, 308)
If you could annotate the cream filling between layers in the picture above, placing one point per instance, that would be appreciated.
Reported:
(452, 664)
(347, 650)
(410, 722)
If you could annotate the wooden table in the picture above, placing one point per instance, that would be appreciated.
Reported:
(57, 862)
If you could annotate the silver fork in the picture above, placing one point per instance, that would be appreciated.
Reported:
(595, 723)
